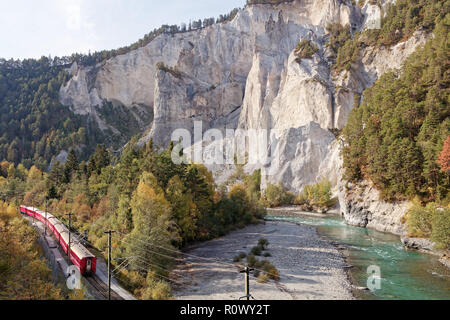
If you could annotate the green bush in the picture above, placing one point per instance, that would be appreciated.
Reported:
(263, 243)
(256, 251)
(277, 195)
(305, 50)
(348, 54)
(318, 195)
(339, 35)
(251, 260)
(420, 220)
(441, 228)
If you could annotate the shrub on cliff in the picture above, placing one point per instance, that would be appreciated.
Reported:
(395, 137)
(305, 50)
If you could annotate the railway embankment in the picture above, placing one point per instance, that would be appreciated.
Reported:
(96, 286)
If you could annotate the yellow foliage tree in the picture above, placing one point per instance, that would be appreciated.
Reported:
(23, 272)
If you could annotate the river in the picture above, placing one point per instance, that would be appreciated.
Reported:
(405, 275)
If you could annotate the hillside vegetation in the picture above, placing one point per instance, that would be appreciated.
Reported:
(34, 125)
(399, 138)
(395, 137)
(24, 273)
(155, 206)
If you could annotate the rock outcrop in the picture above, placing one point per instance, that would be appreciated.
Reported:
(418, 244)
(361, 206)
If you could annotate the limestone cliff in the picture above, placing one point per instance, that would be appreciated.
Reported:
(244, 74)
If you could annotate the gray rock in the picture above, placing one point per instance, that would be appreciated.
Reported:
(362, 207)
(418, 244)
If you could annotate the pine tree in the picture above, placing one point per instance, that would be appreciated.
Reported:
(71, 166)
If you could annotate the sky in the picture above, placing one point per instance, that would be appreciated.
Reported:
(35, 28)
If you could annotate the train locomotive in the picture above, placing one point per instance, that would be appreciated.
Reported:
(85, 261)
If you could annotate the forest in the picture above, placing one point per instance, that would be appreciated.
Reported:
(34, 125)
(395, 137)
(24, 272)
(399, 137)
(155, 206)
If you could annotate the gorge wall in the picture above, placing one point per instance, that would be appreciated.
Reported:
(244, 74)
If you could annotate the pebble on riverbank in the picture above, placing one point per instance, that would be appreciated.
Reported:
(311, 268)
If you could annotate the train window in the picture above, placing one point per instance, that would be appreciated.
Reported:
(88, 265)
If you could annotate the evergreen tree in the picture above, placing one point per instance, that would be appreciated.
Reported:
(71, 166)
(394, 138)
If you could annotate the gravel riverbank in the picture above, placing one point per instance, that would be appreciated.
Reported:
(310, 267)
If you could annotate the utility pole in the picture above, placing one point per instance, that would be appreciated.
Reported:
(46, 216)
(110, 232)
(70, 220)
(247, 283)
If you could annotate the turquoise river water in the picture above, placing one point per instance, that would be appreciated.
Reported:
(404, 274)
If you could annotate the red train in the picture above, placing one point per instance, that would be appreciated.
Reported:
(85, 261)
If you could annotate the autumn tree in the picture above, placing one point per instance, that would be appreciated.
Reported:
(153, 227)
(185, 211)
(444, 156)
(24, 273)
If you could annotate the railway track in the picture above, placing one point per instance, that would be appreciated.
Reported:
(100, 290)
(95, 286)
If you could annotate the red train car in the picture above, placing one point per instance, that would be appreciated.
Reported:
(85, 261)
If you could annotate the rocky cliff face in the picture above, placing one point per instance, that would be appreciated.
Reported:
(361, 206)
(220, 69)
(244, 75)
